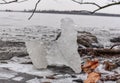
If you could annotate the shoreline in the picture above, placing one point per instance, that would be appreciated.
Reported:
(68, 13)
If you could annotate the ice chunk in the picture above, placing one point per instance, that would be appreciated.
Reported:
(64, 50)
(37, 52)
(67, 44)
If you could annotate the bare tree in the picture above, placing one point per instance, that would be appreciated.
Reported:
(11, 1)
(34, 9)
(99, 7)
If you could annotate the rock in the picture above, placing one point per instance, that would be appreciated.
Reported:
(61, 69)
(78, 80)
(109, 65)
(9, 55)
(73, 76)
(27, 62)
(9, 49)
(50, 77)
(115, 39)
(87, 39)
(11, 44)
(118, 63)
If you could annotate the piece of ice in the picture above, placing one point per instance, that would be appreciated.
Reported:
(18, 78)
(37, 53)
(66, 46)
(62, 51)
(35, 80)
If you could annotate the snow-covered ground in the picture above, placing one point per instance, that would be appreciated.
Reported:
(16, 68)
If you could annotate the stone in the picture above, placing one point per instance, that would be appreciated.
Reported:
(9, 49)
(109, 66)
(11, 44)
(115, 39)
(87, 39)
(9, 55)
(61, 69)
(78, 80)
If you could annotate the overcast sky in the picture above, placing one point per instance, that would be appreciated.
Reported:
(59, 5)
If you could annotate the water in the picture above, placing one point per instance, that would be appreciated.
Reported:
(21, 19)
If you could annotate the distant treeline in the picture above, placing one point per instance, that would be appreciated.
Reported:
(83, 12)
(75, 12)
(59, 12)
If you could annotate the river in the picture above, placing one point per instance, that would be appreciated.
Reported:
(21, 19)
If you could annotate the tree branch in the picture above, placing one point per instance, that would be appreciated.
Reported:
(92, 3)
(5, 2)
(34, 9)
(113, 2)
(105, 6)
(14, 1)
(22, 1)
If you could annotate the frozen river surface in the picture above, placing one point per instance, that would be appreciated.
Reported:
(21, 19)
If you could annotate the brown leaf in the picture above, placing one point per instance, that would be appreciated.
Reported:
(90, 65)
(93, 77)
(109, 65)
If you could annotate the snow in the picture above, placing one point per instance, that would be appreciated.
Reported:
(66, 80)
(33, 81)
(82, 76)
(17, 78)
(109, 82)
(5, 74)
(117, 70)
(26, 68)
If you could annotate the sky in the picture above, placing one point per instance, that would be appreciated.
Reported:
(60, 5)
